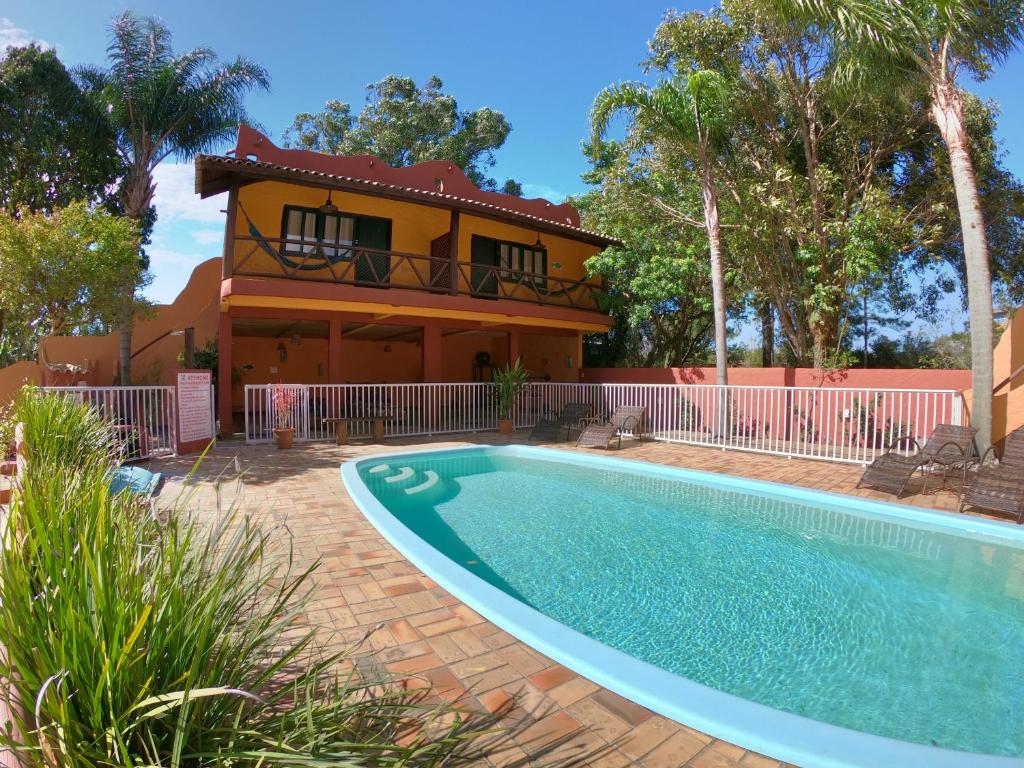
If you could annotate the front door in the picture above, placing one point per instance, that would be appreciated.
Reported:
(484, 258)
(372, 268)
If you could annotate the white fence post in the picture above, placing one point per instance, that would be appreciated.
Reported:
(144, 418)
(829, 423)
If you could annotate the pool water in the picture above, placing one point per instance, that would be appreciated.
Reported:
(855, 620)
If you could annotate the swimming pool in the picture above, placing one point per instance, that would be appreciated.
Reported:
(819, 629)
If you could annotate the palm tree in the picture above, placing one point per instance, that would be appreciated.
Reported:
(928, 43)
(162, 104)
(689, 112)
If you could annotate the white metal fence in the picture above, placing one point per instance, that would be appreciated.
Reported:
(835, 424)
(144, 418)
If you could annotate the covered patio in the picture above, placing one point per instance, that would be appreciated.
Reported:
(429, 636)
(272, 346)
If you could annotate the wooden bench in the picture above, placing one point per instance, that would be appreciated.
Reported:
(341, 429)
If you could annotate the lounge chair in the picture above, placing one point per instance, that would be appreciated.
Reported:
(999, 487)
(569, 418)
(949, 447)
(625, 418)
(136, 480)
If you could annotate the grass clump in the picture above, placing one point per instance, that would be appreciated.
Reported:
(137, 640)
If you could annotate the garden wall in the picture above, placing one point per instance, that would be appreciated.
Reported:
(821, 411)
(881, 378)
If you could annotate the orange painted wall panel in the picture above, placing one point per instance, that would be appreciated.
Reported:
(459, 351)
(196, 306)
(884, 378)
(550, 355)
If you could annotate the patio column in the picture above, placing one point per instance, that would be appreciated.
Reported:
(431, 352)
(334, 367)
(224, 342)
(513, 345)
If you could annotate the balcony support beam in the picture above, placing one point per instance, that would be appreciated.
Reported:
(228, 265)
(453, 252)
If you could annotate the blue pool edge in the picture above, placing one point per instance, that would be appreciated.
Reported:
(756, 727)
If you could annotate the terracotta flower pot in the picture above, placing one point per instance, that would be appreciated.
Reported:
(505, 426)
(285, 436)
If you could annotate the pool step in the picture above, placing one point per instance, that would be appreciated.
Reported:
(404, 473)
(379, 468)
(432, 479)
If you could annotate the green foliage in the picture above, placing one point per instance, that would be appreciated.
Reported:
(814, 173)
(927, 188)
(153, 639)
(686, 118)
(56, 144)
(689, 110)
(509, 383)
(161, 103)
(659, 282)
(403, 124)
(64, 271)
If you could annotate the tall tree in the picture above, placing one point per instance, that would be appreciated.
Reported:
(659, 281)
(163, 104)
(690, 112)
(65, 271)
(930, 43)
(56, 144)
(403, 124)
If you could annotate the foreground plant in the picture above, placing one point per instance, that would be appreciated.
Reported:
(143, 639)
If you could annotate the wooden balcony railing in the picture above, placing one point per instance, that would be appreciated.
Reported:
(375, 268)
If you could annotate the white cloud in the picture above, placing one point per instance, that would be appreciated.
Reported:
(14, 36)
(176, 198)
(543, 190)
(208, 236)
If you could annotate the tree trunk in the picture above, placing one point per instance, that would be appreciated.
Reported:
(136, 196)
(710, 195)
(948, 114)
(125, 369)
(767, 334)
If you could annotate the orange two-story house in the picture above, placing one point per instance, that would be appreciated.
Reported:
(346, 270)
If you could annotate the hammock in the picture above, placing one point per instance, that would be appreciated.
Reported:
(316, 261)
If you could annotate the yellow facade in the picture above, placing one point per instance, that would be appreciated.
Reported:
(413, 228)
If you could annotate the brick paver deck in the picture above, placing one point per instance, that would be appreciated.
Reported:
(429, 634)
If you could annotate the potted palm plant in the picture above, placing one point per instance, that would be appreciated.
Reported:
(509, 383)
(283, 400)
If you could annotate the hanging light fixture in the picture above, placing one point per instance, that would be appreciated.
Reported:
(328, 207)
(538, 245)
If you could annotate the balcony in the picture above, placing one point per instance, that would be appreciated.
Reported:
(268, 257)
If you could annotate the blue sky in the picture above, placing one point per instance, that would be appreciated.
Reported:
(539, 62)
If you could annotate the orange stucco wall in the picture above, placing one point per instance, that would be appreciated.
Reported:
(413, 227)
(196, 306)
(257, 360)
(883, 378)
(459, 351)
(305, 363)
(1008, 401)
(14, 377)
(554, 356)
